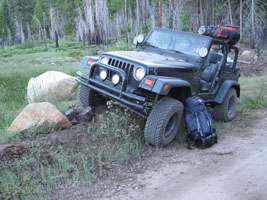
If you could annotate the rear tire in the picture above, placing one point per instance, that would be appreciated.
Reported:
(164, 122)
(89, 97)
(227, 110)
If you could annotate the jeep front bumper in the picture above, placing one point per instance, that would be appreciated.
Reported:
(107, 88)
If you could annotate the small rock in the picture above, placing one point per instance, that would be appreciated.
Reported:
(78, 114)
(109, 195)
(86, 115)
(8, 152)
(247, 54)
(70, 114)
(89, 130)
(36, 117)
(259, 116)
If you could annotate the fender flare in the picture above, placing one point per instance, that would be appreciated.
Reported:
(226, 86)
(159, 82)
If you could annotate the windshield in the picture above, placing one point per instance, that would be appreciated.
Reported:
(177, 41)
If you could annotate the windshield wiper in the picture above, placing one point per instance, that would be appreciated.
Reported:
(182, 53)
(176, 51)
(150, 45)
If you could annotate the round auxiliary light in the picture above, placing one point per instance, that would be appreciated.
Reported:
(202, 30)
(103, 74)
(115, 79)
(104, 60)
(202, 52)
(139, 73)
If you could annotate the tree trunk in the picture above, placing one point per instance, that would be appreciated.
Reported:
(56, 38)
(111, 42)
(171, 7)
(137, 17)
(89, 38)
(126, 23)
(201, 13)
(253, 25)
(241, 21)
(213, 12)
(29, 34)
(198, 18)
(230, 12)
(2, 40)
(160, 14)
(45, 43)
(44, 35)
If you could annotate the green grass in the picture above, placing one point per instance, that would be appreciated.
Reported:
(21, 62)
(38, 180)
(15, 74)
(120, 140)
(253, 93)
(116, 140)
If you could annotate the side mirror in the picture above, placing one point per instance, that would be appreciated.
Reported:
(138, 39)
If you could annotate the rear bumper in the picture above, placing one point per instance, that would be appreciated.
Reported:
(118, 93)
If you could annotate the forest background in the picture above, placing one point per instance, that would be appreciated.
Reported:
(106, 22)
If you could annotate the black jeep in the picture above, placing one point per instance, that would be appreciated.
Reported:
(155, 80)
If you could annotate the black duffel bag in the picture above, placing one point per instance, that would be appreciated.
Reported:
(229, 34)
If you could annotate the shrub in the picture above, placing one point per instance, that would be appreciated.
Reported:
(123, 130)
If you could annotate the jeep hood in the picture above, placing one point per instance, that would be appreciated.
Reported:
(150, 59)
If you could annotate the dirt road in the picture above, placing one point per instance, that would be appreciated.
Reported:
(235, 168)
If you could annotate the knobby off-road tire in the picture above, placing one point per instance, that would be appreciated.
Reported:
(164, 122)
(89, 97)
(227, 110)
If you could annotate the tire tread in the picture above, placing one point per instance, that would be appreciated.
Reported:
(155, 123)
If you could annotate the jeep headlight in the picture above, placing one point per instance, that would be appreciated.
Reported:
(104, 60)
(139, 73)
(103, 74)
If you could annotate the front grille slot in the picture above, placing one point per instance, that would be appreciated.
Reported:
(126, 67)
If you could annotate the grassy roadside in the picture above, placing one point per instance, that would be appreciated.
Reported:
(20, 63)
(15, 74)
(41, 172)
(253, 92)
(91, 152)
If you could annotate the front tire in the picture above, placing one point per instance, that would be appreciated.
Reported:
(164, 122)
(89, 97)
(227, 110)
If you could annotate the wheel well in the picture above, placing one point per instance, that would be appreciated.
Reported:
(180, 93)
(237, 88)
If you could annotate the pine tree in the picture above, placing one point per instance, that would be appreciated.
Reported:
(38, 14)
(70, 12)
(6, 24)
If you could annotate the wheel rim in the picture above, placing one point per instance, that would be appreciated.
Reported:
(171, 125)
(231, 106)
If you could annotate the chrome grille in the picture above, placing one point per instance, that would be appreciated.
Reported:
(126, 67)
